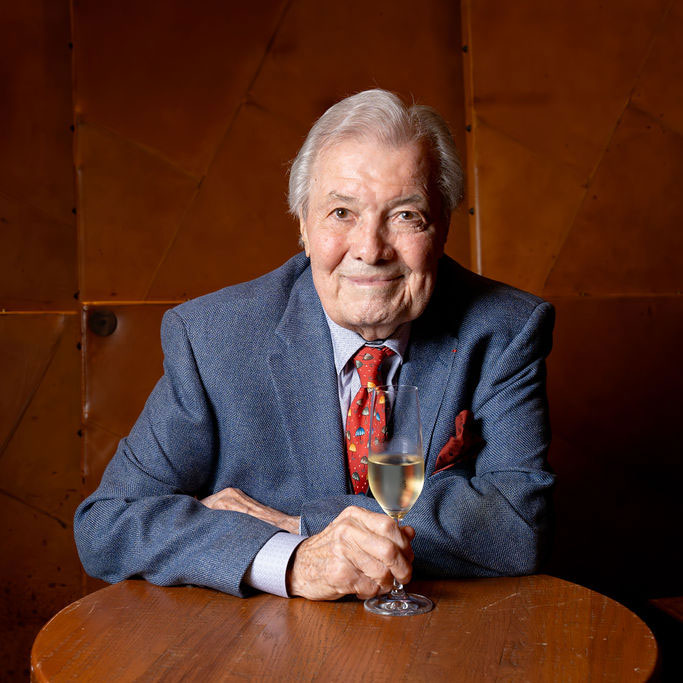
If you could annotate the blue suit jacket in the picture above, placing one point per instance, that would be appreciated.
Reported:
(249, 399)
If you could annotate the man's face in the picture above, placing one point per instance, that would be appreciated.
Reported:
(373, 235)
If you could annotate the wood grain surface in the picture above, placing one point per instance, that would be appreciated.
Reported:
(535, 628)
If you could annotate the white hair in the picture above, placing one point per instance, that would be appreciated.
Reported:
(379, 115)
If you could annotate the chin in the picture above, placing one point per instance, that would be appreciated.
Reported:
(383, 325)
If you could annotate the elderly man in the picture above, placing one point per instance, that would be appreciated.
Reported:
(237, 476)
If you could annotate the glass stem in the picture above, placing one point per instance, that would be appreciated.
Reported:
(397, 592)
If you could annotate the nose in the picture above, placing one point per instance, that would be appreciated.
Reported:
(371, 243)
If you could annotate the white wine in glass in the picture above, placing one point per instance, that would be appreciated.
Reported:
(396, 475)
(396, 481)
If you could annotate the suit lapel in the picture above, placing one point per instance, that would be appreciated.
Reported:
(428, 367)
(301, 362)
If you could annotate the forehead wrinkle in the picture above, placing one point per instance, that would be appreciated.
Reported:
(349, 178)
(409, 199)
(341, 197)
(413, 198)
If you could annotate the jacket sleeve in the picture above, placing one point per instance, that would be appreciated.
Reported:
(142, 521)
(493, 518)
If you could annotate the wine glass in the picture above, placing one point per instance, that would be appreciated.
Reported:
(396, 473)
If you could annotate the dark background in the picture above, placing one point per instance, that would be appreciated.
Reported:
(143, 154)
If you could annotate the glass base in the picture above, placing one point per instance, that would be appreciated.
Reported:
(405, 606)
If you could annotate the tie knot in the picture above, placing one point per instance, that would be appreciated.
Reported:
(367, 362)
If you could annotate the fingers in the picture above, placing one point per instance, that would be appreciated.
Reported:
(227, 499)
(359, 552)
(320, 570)
(377, 547)
(383, 527)
(234, 500)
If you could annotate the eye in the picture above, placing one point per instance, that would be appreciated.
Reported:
(341, 214)
(408, 219)
(407, 215)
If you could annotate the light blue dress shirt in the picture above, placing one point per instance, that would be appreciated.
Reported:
(268, 570)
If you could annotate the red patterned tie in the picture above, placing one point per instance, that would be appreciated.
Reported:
(367, 361)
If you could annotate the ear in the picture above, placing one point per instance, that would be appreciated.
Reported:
(303, 236)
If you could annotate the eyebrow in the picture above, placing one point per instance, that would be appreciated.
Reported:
(410, 199)
(341, 197)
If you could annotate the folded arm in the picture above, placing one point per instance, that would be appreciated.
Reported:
(143, 520)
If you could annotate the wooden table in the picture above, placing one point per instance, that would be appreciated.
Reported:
(534, 628)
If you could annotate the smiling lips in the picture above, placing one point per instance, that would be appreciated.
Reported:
(372, 281)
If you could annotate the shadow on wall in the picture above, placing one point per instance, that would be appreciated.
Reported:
(614, 386)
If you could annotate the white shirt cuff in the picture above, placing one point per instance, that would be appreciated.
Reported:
(268, 570)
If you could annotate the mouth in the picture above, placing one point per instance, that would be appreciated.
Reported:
(375, 281)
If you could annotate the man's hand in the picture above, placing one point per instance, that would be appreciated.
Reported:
(359, 552)
(236, 501)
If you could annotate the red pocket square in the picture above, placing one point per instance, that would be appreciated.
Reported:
(461, 446)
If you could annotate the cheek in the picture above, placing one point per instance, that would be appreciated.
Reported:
(327, 251)
(421, 256)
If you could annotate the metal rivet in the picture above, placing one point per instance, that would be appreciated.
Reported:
(102, 323)
(471, 212)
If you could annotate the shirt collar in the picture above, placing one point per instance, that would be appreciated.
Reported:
(345, 342)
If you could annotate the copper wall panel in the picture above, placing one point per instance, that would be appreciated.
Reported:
(658, 89)
(526, 204)
(44, 439)
(37, 259)
(40, 575)
(555, 76)
(39, 477)
(99, 447)
(120, 371)
(27, 346)
(37, 238)
(620, 410)
(615, 402)
(560, 93)
(39, 361)
(35, 164)
(324, 51)
(168, 74)
(131, 203)
(238, 227)
(628, 236)
(129, 359)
